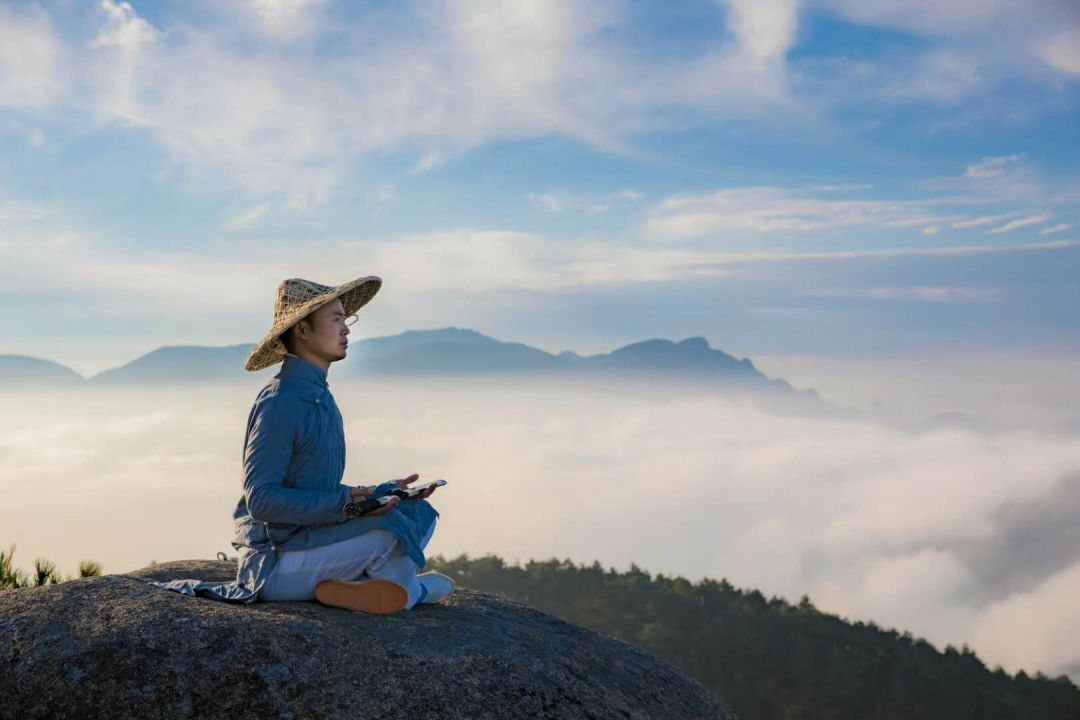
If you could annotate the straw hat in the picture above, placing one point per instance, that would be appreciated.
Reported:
(296, 299)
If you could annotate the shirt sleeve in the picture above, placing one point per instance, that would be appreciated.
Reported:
(271, 433)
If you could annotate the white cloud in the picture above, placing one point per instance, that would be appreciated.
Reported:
(234, 280)
(979, 221)
(1021, 223)
(771, 209)
(849, 187)
(1062, 227)
(995, 33)
(248, 218)
(123, 27)
(785, 311)
(991, 166)
(922, 294)
(31, 58)
(913, 589)
(765, 29)
(116, 66)
(739, 212)
(427, 161)
(477, 261)
(1043, 616)
(558, 202)
(747, 257)
(469, 263)
(286, 20)
(548, 200)
(931, 220)
(122, 282)
(1062, 50)
(945, 76)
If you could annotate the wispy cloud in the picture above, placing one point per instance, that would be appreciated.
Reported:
(734, 212)
(486, 261)
(470, 261)
(1062, 227)
(943, 76)
(32, 56)
(925, 220)
(282, 21)
(991, 166)
(848, 187)
(248, 218)
(558, 202)
(956, 250)
(921, 294)
(1021, 223)
(994, 33)
(1062, 49)
(979, 221)
(767, 209)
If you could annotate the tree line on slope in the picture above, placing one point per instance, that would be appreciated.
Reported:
(767, 658)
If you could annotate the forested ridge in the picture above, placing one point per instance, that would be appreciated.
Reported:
(767, 658)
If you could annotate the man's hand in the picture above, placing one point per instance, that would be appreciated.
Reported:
(359, 493)
(404, 483)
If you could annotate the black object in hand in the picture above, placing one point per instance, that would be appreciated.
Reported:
(357, 509)
(414, 492)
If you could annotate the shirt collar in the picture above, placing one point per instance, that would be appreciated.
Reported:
(294, 366)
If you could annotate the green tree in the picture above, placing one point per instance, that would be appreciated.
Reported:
(45, 572)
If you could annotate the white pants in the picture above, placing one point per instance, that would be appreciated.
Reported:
(374, 554)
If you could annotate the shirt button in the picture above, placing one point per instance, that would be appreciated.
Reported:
(316, 401)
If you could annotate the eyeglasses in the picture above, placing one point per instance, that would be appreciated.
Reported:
(351, 320)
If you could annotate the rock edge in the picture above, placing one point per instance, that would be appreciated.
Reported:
(115, 646)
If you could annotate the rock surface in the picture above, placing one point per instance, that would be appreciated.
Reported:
(115, 646)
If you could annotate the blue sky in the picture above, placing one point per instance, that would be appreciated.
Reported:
(781, 177)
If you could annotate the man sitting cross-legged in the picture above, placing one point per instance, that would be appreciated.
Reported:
(300, 534)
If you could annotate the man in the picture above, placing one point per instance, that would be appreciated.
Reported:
(298, 529)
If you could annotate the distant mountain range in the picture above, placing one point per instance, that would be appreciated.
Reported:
(28, 371)
(445, 352)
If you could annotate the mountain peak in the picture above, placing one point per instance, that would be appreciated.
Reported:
(694, 343)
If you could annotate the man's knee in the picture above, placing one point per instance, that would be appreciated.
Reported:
(382, 541)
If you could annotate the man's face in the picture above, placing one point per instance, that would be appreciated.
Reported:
(327, 339)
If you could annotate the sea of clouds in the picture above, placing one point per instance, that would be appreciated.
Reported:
(960, 533)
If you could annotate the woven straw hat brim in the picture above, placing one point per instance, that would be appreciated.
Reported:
(354, 295)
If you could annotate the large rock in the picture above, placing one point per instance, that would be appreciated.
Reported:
(117, 647)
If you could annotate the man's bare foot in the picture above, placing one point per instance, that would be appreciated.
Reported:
(379, 597)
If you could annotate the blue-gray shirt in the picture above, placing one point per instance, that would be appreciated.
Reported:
(294, 459)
